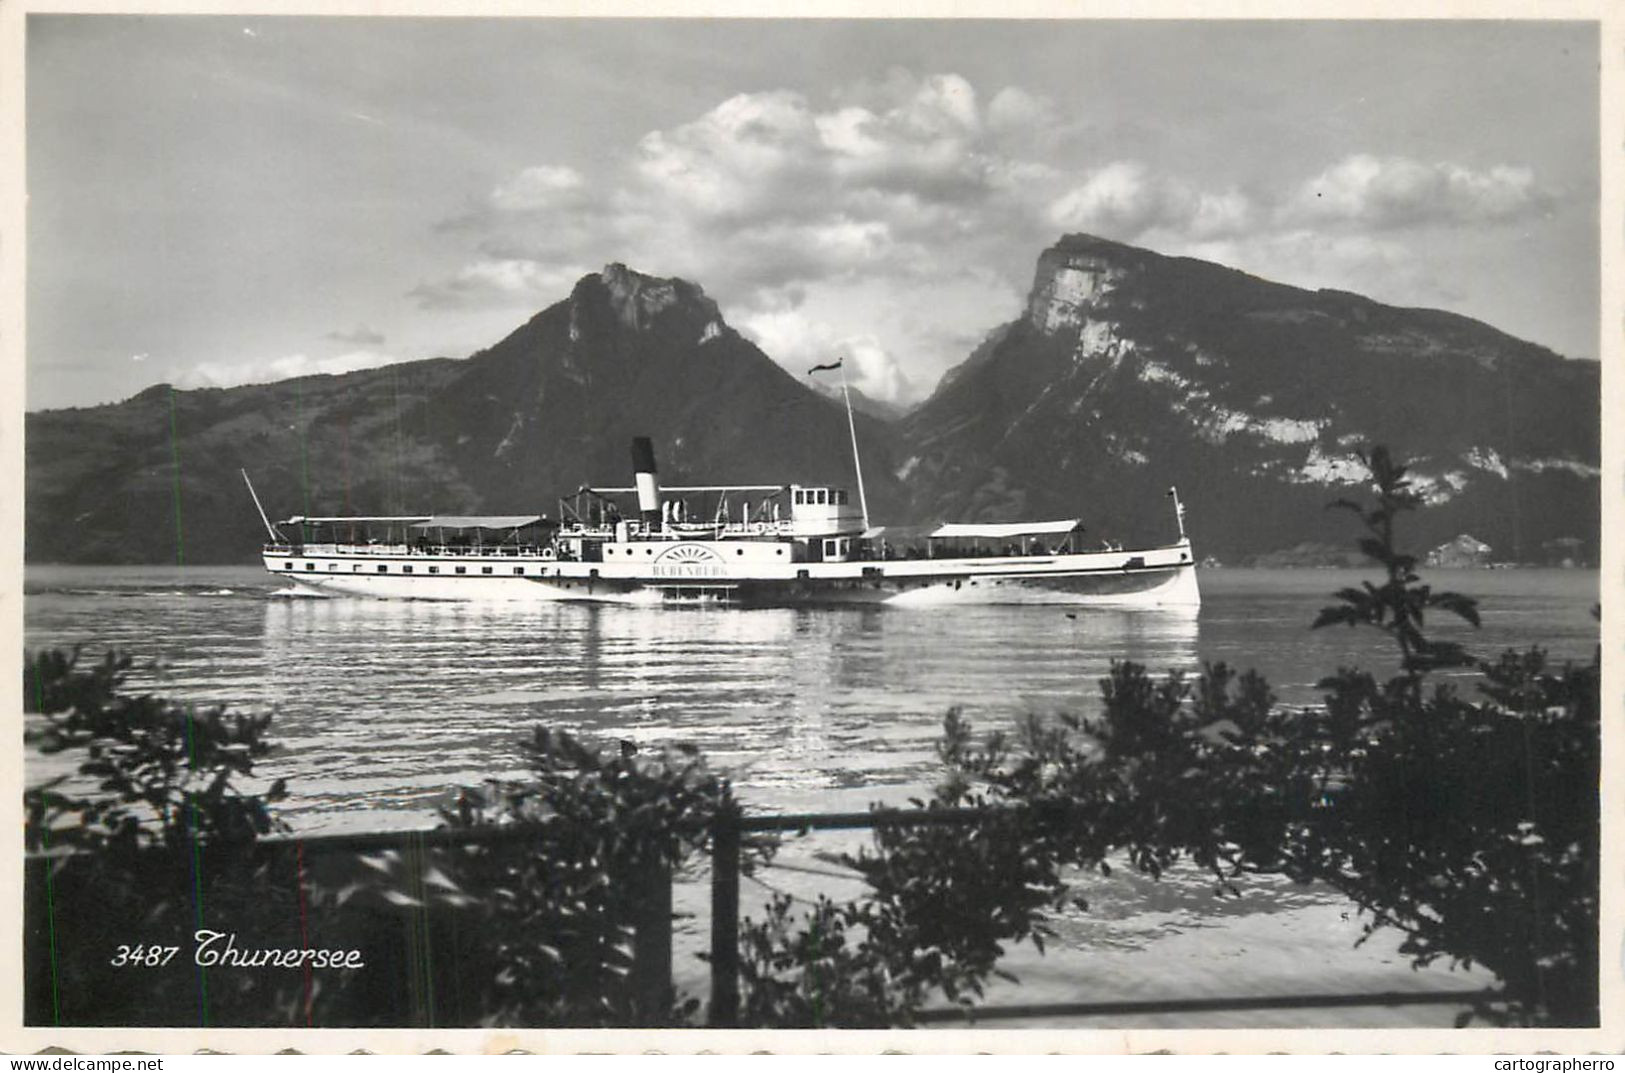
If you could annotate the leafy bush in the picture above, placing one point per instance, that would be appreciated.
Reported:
(1469, 825)
(162, 772)
(942, 904)
(149, 834)
(152, 835)
(557, 914)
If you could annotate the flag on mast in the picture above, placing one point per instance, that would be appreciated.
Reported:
(836, 364)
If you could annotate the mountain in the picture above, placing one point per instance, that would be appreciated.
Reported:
(1127, 372)
(880, 409)
(1130, 371)
(549, 408)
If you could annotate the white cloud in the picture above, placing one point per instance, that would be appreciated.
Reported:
(1397, 192)
(500, 281)
(1125, 200)
(908, 213)
(1381, 267)
(232, 374)
(799, 341)
(1014, 109)
(538, 188)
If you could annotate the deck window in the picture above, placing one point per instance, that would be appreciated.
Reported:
(434, 570)
(462, 569)
(822, 497)
(485, 569)
(840, 497)
(406, 569)
(288, 565)
(519, 570)
(382, 569)
(798, 497)
(310, 566)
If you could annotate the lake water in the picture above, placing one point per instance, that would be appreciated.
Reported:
(381, 708)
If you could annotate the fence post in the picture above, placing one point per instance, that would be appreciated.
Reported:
(724, 1011)
(651, 942)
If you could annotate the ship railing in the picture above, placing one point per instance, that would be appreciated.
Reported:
(397, 551)
(684, 531)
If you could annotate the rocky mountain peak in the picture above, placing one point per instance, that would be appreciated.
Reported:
(1073, 280)
(644, 303)
(1130, 368)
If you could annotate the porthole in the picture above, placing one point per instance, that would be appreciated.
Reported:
(406, 569)
(485, 569)
(462, 569)
(383, 569)
(434, 570)
(287, 565)
(310, 566)
(519, 570)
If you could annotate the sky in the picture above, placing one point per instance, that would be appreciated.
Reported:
(216, 200)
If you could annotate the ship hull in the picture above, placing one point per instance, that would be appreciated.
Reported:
(702, 573)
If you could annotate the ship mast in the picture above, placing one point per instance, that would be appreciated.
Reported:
(851, 426)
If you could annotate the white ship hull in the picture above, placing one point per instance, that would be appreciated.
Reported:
(742, 574)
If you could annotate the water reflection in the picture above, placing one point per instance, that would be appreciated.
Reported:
(387, 703)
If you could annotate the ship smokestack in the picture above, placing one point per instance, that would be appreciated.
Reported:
(643, 470)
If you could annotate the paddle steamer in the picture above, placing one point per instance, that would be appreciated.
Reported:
(751, 545)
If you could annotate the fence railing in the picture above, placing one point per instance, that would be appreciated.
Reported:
(723, 1011)
(651, 980)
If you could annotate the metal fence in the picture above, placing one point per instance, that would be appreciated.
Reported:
(723, 1011)
(651, 977)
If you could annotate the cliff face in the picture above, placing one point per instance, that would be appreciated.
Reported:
(549, 408)
(1130, 372)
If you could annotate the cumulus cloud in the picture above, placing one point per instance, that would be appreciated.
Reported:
(801, 341)
(1126, 200)
(232, 374)
(898, 212)
(539, 188)
(1381, 266)
(498, 282)
(1397, 192)
(1014, 109)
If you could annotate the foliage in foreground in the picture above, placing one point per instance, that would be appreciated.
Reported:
(557, 913)
(1469, 823)
(155, 821)
(151, 835)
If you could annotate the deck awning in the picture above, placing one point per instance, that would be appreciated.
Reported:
(484, 521)
(355, 519)
(1005, 530)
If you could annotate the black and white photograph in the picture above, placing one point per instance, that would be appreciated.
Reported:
(1051, 530)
